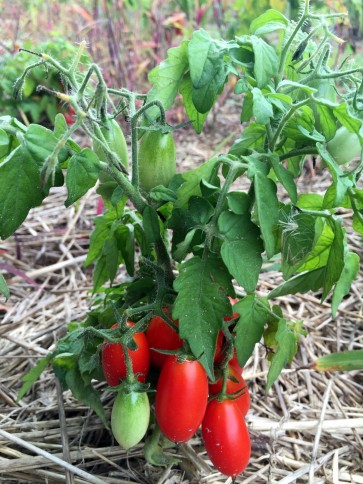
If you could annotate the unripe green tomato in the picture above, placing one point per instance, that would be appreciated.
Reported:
(130, 418)
(157, 159)
(116, 141)
(345, 146)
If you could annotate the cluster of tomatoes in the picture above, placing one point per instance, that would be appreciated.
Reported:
(185, 398)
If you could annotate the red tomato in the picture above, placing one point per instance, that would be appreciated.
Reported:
(234, 363)
(219, 345)
(113, 359)
(226, 437)
(243, 401)
(161, 337)
(181, 398)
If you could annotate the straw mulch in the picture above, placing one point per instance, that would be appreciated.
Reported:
(308, 428)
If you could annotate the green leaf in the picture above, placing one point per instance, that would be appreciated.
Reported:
(151, 224)
(162, 194)
(347, 119)
(39, 142)
(286, 83)
(183, 247)
(262, 108)
(205, 57)
(82, 174)
(97, 238)
(166, 78)
(20, 190)
(325, 120)
(201, 304)
(108, 263)
(341, 361)
(269, 21)
(195, 116)
(241, 249)
(285, 177)
(266, 61)
(253, 311)
(3, 287)
(238, 202)
(192, 179)
(335, 263)
(125, 235)
(342, 288)
(208, 70)
(85, 393)
(287, 338)
(301, 283)
(252, 137)
(204, 97)
(32, 376)
(267, 210)
(342, 183)
(60, 126)
(297, 241)
(200, 210)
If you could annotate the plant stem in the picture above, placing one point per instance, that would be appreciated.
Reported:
(285, 119)
(286, 48)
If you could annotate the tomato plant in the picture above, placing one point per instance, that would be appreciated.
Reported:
(181, 398)
(113, 359)
(226, 437)
(187, 239)
(130, 417)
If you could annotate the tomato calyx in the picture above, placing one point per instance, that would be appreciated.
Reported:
(130, 386)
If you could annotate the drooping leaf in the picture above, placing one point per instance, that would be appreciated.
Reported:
(285, 177)
(32, 376)
(287, 338)
(335, 263)
(151, 224)
(301, 283)
(269, 21)
(262, 108)
(201, 304)
(195, 116)
(342, 288)
(241, 249)
(205, 58)
(266, 61)
(342, 183)
(267, 210)
(82, 174)
(253, 311)
(166, 78)
(20, 190)
(85, 393)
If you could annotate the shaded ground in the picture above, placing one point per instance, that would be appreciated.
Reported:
(308, 428)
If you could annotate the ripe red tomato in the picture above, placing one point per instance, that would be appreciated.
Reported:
(234, 363)
(218, 354)
(243, 401)
(113, 359)
(226, 437)
(161, 337)
(181, 398)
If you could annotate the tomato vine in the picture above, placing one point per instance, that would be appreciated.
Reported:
(187, 239)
